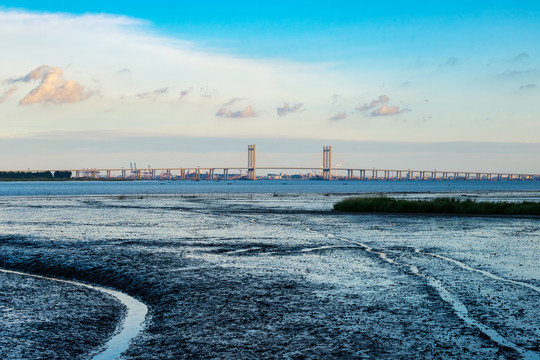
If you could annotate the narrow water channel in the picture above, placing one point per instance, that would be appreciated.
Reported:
(131, 326)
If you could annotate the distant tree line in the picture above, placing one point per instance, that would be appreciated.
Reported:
(62, 174)
(37, 175)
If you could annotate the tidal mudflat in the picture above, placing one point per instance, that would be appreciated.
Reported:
(267, 276)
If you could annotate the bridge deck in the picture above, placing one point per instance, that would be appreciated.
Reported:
(360, 172)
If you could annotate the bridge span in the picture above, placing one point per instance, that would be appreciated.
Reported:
(325, 172)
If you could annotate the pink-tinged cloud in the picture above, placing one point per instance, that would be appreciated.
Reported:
(383, 99)
(53, 87)
(339, 116)
(282, 111)
(380, 107)
(247, 112)
(385, 110)
(9, 91)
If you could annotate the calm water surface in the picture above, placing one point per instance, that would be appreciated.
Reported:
(262, 186)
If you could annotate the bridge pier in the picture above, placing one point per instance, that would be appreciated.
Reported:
(251, 175)
(327, 162)
(211, 174)
(226, 174)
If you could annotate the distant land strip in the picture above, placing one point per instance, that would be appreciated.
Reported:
(34, 175)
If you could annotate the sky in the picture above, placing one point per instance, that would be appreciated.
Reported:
(413, 85)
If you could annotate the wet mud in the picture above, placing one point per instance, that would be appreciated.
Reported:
(42, 319)
(244, 277)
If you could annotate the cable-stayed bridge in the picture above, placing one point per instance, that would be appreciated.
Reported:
(326, 172)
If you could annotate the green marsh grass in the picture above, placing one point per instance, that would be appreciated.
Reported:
(383, 204)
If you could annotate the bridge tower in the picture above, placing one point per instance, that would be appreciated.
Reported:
(327, 162)
(251, 163)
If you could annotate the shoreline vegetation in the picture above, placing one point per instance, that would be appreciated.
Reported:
(34, 176)
(441, 206)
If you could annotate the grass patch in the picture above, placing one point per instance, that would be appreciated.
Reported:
(436, 206)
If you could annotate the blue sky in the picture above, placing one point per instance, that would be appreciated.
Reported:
(396, 72)
(327, 30)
